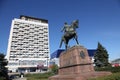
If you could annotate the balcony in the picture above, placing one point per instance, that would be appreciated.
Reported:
(25, 41)
(14, 45)
(20, 34)
(31, 39)
(15, 31)
(13, 51)
(20, 38)
(20, 29)
(14, 40)
(16, 27)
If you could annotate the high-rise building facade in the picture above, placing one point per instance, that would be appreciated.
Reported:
(28, 44)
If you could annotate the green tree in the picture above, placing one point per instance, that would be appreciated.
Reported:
(3, 69)
(54, 68)
(101, 56)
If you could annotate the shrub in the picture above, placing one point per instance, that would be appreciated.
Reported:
(54, 69)
(2, 78)
(111, 69)
(114, 76)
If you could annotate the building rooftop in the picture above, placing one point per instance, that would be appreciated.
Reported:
(33, 18)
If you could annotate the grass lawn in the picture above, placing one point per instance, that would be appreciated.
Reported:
(39, 76)
(114, 76)
(45, 76)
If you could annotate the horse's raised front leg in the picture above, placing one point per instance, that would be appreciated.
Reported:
(77, 41)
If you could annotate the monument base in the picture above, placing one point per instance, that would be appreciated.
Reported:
(75, 64)
(83, 76)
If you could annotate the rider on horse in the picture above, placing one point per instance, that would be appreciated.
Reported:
(65, 27)
(69, 33)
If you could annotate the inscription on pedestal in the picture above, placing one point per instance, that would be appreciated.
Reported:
(82, 55)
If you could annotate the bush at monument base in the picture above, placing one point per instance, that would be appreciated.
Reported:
(114, 76)
(111, 69)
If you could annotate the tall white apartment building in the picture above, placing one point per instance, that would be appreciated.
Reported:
(28, 45)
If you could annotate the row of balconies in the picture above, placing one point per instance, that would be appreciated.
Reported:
(33, 44)
(28, 56)
(30, 28)
(29, 45)
(28, 53)
(30, 41)
(26, 50)
(27, 39)
(19, 24)
(27, 34)
(32, 49)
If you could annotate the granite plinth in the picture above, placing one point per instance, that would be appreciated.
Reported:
(75, 64)
(75, 60)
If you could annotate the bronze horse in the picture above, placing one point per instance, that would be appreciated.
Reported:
(70, 32)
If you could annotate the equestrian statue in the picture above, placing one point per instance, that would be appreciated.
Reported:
(69, 33)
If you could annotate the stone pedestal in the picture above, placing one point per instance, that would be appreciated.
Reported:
(75, 64)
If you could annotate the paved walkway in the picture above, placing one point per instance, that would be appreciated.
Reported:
(20, 79)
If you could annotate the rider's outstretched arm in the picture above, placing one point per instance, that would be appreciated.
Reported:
(62, 29)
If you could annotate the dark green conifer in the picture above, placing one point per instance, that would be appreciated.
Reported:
(101, 56)
(3, 69)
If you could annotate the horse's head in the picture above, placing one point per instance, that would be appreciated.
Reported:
(75, 23)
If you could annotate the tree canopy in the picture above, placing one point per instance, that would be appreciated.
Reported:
(101, 56)
(3, 69)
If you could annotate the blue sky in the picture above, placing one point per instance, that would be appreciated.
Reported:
(99, 21)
